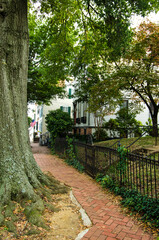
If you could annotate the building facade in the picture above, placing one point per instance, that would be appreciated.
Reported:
(85, 121)
(39, 112)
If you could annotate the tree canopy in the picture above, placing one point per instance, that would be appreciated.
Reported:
(71, 35)
(42, 78)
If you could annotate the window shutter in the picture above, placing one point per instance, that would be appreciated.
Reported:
(61, 107)
(70, 93)
(69, 111)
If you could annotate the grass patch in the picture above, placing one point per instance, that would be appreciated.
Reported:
(142, 142)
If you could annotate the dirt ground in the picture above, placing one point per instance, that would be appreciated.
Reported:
(65, 223)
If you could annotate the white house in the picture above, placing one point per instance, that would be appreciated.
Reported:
(66, 104)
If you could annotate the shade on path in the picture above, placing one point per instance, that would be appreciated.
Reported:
(108, 221)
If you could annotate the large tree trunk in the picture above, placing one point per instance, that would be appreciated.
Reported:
(19, 173)
(17, 166)
(20, 177)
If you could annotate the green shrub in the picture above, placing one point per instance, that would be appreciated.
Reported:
(121, 166)
(100, 135)
(112, 124)
(124, 120)
(58, 124)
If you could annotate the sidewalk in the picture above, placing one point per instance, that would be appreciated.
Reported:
(109, 223)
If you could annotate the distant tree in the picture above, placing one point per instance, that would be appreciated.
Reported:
(138, 69)
(102, 96)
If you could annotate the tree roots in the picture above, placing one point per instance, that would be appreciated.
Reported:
(31, 201)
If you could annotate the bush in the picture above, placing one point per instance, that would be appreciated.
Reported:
(113, 127)
(58, 124)
(100, 135)
(124, 121)
(112, 123)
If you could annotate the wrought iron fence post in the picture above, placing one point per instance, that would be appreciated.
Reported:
(73, 142)
(93, 160)
(120, 174)
(85, 162)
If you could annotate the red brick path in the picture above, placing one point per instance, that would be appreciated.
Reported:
(108, 221)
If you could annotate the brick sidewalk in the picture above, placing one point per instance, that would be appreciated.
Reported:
(108, 221)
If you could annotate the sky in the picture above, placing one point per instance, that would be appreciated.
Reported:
(136, 20)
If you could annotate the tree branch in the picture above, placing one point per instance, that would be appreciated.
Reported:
(144, 100)
(90, 6)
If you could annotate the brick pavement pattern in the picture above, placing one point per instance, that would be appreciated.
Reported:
(108, 222)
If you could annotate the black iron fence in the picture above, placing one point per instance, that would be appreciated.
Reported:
(134, 172)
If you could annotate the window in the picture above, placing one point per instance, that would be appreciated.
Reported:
(79, 109)
(83, 118)
(78, 120)
(84, 109)
(37, 126)
(66, 109)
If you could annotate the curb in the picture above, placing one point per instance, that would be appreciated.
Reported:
(86, 220)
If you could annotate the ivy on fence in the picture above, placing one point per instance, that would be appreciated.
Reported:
(71, 157)
(148, 208)
(121, 166)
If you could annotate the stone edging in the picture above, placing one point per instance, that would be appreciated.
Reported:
(86, 220)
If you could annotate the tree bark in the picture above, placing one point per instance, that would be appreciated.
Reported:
(19, 173)
(20, 177)
(155, 122)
